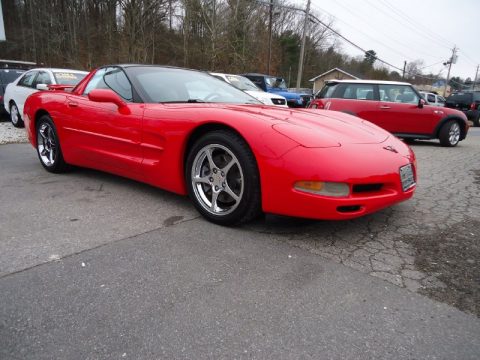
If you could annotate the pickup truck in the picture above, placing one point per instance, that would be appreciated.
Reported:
(277, 85)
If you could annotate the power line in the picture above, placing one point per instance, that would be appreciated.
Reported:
(418, 25)
(356, 15)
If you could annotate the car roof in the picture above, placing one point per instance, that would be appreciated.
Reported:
(381, 82)
(59, 70)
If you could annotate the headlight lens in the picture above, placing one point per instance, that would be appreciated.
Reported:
(333, 189)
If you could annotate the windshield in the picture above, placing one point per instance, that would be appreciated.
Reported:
(275, 82)
(242, 83)
(170, 85)
(68, 78)
(7, 76)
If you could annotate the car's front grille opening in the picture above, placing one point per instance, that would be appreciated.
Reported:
(279, 101)
(362, 188)
(348, 209)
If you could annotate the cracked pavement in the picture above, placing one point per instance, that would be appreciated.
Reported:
(387, 244)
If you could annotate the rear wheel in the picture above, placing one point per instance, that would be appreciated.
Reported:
(48, 146)
(450, 134)
(222, 178)
(15, 117)
(476, 122)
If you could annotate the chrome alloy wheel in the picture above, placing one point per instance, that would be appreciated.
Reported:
(47, 145)
(217, 179)
(454, 133)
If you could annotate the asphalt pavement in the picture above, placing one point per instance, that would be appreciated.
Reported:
(93, 266)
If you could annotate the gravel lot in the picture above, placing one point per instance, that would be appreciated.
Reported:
(10, 134)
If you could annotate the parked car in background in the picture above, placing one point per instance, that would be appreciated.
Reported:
(187, 132)
(10, 70)
(245, 84)
(468, 102)
(277, 85)
(432, 98)
(32, 81)
(394, 106)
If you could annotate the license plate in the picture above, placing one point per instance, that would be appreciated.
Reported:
(406, 176)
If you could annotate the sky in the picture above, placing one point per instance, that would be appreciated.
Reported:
(407, 30)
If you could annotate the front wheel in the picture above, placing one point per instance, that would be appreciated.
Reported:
(450, 134)
(15, 117)
(223, 179)
(48, 146)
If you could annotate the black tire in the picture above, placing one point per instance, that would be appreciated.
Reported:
(476, 122)
(48, 146)
(15, 116)
(216, 182)
(450, 134)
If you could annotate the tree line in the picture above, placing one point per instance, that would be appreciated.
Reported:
(216, 35)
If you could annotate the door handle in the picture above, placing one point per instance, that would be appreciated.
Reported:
(385, 107)
(72, 103)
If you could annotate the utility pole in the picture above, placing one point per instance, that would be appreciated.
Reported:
(270, 20)
(449, 63)
(302, 49)
(404, 67)
(476, 77)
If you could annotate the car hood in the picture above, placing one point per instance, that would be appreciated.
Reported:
(320, 128)
(286, 94)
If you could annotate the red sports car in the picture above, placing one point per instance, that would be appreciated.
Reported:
(188, 132)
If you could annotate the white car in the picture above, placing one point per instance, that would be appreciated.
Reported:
(32, 81)
(433, 99)
(244, 84)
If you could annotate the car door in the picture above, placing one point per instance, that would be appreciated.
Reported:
(399, 111)
(359, 99)
(25, 87)
(100, 136)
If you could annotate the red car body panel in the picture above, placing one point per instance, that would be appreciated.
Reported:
(150, 141)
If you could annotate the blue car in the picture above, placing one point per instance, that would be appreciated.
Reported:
(277, 85)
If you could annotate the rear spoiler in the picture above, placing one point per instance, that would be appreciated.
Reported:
(60, 87)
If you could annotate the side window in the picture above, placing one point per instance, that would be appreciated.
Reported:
(116, 80)
(42, 78)
(111, 78)
(96, 82)
(27, 79)
(398, 93)
(431, 98)
(358, 92)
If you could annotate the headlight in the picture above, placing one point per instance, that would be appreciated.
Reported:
(333, 189)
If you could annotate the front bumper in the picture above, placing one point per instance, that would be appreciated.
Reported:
(360, 166)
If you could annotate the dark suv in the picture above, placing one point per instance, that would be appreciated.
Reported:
(468, 102)
(9, 71)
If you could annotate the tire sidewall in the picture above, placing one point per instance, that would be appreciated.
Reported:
(59, 164)
(18, 122)
(247, 161)
(445, 134)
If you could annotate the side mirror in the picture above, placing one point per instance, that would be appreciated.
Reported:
(42, 87)
(109, 96)
(421, 103)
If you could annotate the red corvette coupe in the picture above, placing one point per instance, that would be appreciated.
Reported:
(188, 132)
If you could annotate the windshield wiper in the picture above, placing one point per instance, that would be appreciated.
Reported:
(182, 101)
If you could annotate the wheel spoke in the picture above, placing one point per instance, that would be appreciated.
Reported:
(214, 206)
(211, 163)
(230, 192)
(201, 180)
(227, 167)
(51, 156)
